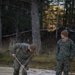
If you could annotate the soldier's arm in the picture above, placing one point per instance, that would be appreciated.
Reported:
(57, 50)
(28, 60)
(72, 52)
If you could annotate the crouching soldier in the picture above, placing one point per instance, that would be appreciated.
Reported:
(24, 53)
(64, 54)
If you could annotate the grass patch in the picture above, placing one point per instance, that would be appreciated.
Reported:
(43, 61)
(43, 58)
(5, 58)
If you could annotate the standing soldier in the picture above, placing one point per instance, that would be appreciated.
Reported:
(65, 53)
(24, 53)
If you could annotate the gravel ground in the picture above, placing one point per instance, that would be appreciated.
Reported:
(9, 71)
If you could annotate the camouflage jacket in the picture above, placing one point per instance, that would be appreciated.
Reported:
(22, 52)
(65, 50)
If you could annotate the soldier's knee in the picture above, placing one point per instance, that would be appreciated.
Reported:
(58, 71)
(66, 69)
(16, 67)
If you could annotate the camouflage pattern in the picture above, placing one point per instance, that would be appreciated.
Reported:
(23, 55)
(64, 55)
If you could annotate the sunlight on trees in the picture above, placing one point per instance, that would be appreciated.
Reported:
(50, 15)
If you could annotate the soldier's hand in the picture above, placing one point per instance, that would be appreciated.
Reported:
(13, 55)
(22, 66)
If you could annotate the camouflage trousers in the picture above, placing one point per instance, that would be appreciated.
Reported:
(16, 67)
(62, 65)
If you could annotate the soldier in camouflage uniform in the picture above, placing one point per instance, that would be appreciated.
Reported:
(24, 53)
(64, 54)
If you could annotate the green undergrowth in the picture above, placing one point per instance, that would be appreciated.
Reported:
(42, 61)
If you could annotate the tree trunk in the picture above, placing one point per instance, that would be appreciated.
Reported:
(17, 33)
(0, 27)
(17, 19)
(35, 24)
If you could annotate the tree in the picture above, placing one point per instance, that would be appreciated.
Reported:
(17, 14)
(0, 26)
(35, 24)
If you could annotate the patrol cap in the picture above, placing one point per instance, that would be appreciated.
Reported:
(65, 33)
